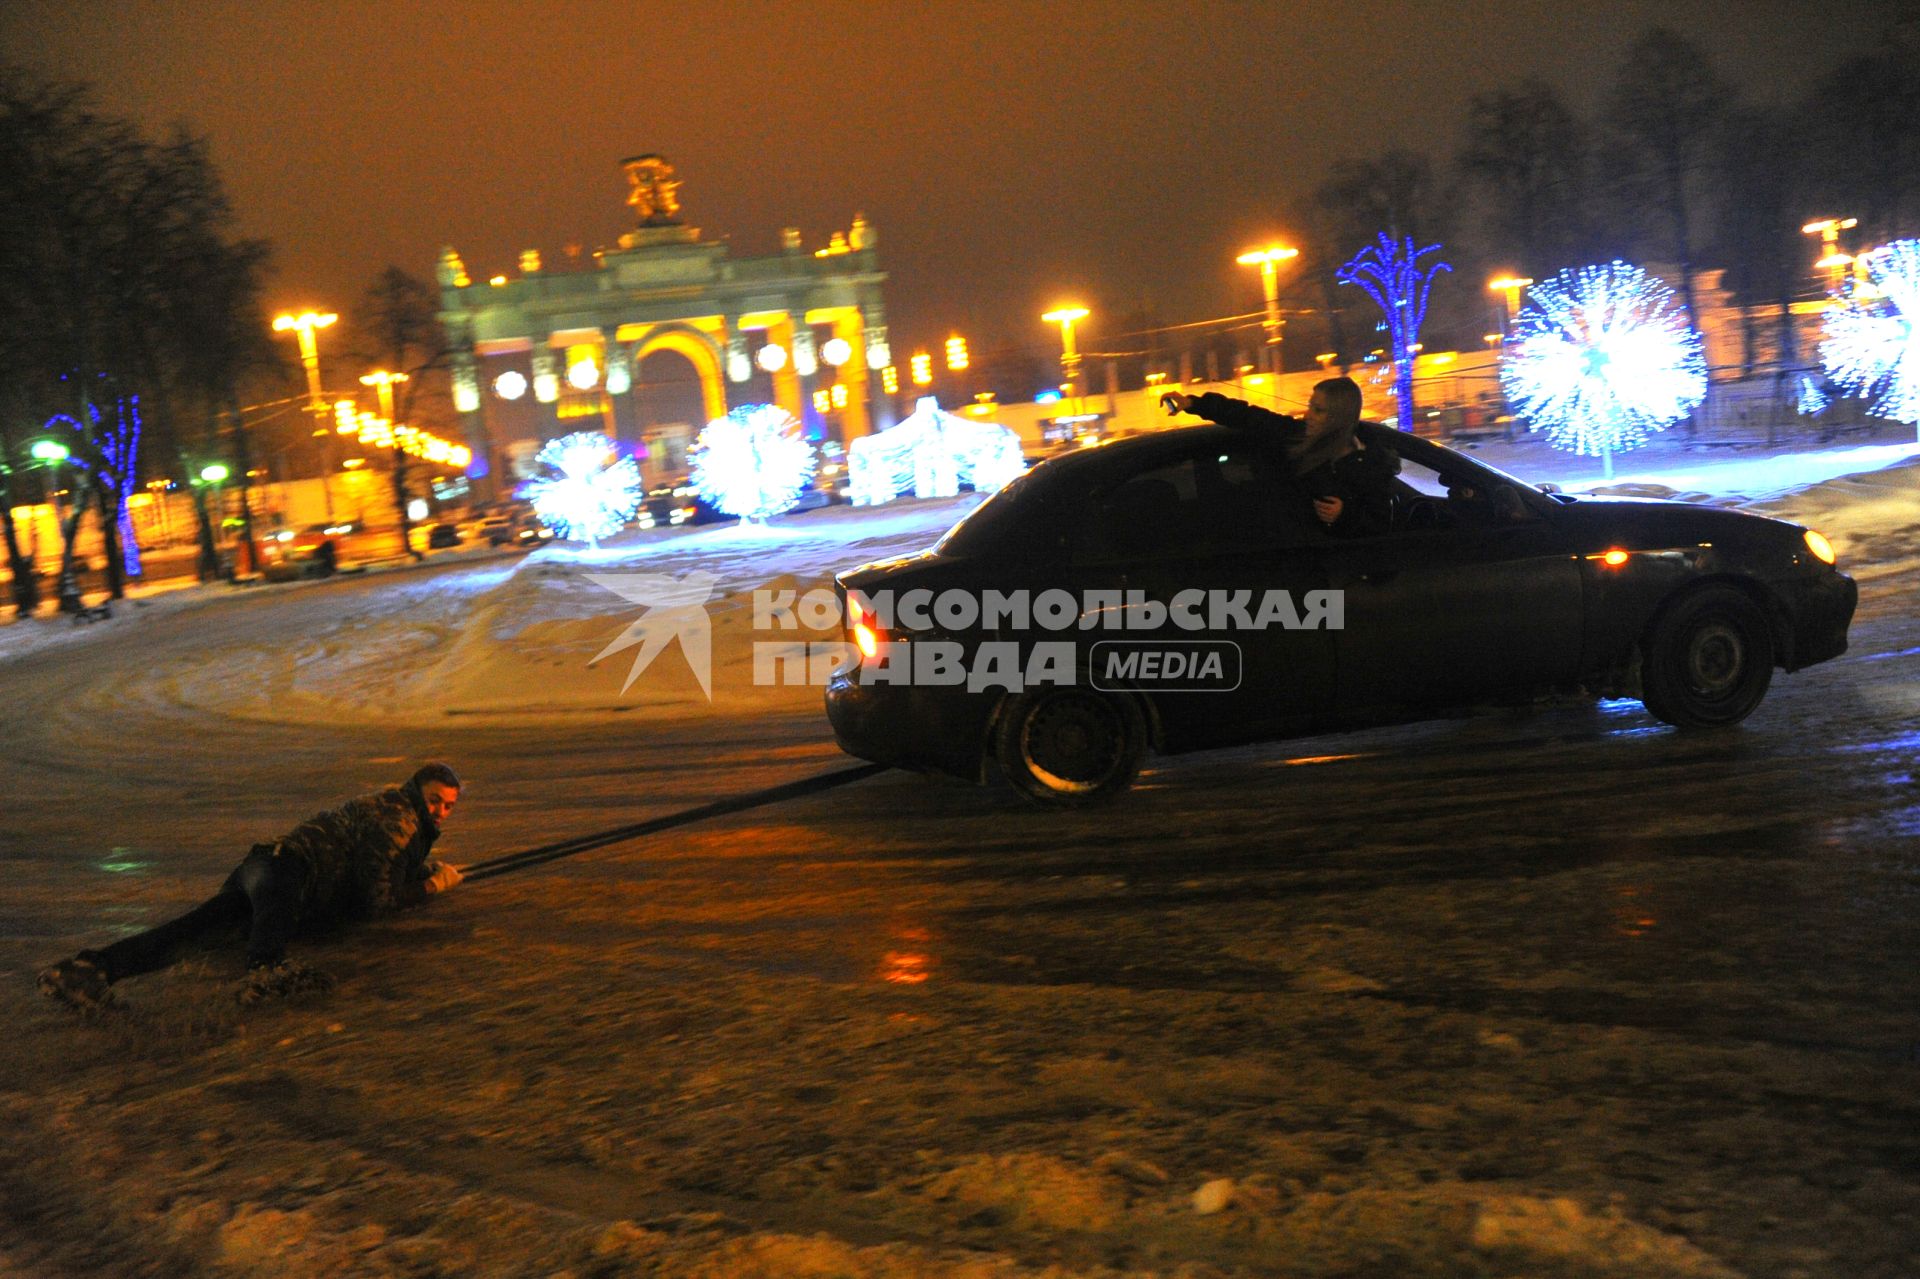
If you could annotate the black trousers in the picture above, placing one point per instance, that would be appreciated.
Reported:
(263, 893)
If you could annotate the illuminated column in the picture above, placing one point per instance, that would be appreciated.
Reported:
(546, 385)
(855, 420)
(619, 385)
(786, 383)
(806, 363)
(739, 358)
(483, 470)
(877, 354)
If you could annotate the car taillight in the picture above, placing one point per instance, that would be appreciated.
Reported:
(865, 636)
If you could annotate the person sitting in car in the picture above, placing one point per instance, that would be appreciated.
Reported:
(1350, 486)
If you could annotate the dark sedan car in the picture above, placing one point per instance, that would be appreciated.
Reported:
(1174, 592)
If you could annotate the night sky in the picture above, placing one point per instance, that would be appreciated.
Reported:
(1012, 155)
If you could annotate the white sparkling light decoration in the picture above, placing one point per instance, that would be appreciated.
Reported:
(1812, 399)
(772, 357)
(1871, 342)
(836, 351)
(582, 374)
(588, 489)
(752, 463)
(1601, 358)
(546, 387)
(619, 381)
(932, 453)
(510, 385)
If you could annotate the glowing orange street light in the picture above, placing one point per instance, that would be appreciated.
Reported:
(383, 382)
(1066, 317)
(1269, 260)
(304, 326)
(1511, 286)
(1832, 260)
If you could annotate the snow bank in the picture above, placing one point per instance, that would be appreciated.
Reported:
(530, 640)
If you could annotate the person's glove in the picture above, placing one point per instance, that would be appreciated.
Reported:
(1175, 403)
(446, 875)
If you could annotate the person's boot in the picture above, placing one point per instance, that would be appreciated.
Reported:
(79, 983)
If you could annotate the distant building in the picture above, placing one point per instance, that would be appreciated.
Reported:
(544, 352)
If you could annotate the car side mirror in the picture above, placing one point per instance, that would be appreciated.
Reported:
(1549, 487)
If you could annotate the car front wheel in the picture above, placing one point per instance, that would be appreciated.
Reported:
(1066, 746)
(1709, 659)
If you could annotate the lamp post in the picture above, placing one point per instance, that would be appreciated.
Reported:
(1066, 317)
(1832, 260)
(304, 326)
(1269, 260)
(383, 382)
(1510, 285)
(54, 455)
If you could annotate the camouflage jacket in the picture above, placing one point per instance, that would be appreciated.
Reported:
(367, 856)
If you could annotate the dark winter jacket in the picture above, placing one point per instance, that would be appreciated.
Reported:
(365, 857)
(1361, 479)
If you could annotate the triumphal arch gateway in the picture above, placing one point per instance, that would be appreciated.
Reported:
(545, 352)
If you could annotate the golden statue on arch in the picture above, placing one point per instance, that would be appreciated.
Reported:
(655, 193)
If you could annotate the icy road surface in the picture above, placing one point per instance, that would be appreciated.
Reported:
(1561, 993)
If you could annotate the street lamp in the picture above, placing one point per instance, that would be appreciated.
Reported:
(1066, 317)
(1269, 260)
(1832, 260)
(1511, 286)
(383, 382)
(304, 326)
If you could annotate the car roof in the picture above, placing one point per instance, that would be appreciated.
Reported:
(1120, 457)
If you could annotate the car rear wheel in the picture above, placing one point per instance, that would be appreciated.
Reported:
(1065, 746)
(1709, 659)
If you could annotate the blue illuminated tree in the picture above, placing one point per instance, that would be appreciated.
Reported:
(1393, 275)
(116, 440)
(1871, 342)
(1600, 358)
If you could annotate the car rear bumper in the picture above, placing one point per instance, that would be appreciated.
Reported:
(1824, 613)
(929, 729)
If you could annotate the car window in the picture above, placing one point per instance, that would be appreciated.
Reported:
(1216, 499)
(1431, 498)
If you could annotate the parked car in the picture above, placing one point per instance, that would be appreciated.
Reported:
(514, 528)
(312, 551)
(442, 536)
(1483, 589)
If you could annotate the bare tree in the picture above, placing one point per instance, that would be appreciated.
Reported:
(1396, 192)
(115, 249)
(1664, 112)
(1866, 115)
(1524, 157)
(399, 316)
(1762, 154)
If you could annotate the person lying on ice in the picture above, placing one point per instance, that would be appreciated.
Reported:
(368, 856)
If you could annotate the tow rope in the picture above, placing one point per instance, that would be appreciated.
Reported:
(739, 803)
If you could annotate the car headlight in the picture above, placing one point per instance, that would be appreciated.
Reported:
(1822, 549)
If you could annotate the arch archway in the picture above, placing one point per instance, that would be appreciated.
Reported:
(699, 351)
